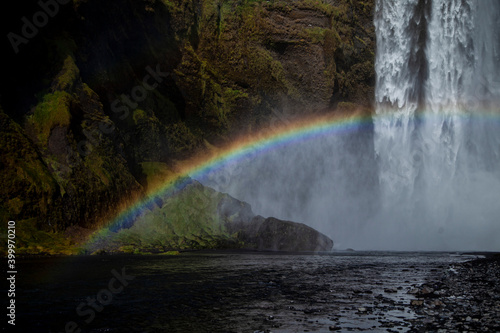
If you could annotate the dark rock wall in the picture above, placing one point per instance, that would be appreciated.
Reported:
(107, 92)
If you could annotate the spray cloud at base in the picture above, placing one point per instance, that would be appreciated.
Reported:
(425, 175)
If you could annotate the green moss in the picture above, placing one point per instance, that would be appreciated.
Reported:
(203, 89)
(347, 106)
(188, 219)
(31, 240)
(218, 11)
(127, 249)
(139, 116)
(59, 172)
(171, 253)
(68, 75)
(28, 187)
(233, 96)
(361, 41)
(96, 164)
(315, 35)
(156, 172)
(331, 43)
(39, 178)
(15, 205)
(51, 112)
(88, 91)
(181, 140)
(169, 4)
(141, 252)
(319, 5)
(268, 73)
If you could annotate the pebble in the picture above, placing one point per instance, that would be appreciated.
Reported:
(464, 300)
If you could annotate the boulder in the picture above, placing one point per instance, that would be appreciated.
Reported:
(194, 216)
(272, 234)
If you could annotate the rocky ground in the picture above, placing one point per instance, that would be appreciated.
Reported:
(459, 297)
(465, 299)
(241, 291)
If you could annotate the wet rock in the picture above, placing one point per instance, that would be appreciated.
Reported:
(436, 303)
(272, 234)
(464, 298)
(426, 290)
(390, 290)
(358, 291)
(417, 302)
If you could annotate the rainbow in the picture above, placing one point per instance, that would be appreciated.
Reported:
(205, 163)
(249, 146)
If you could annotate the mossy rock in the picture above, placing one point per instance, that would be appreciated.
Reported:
(192, 216)
(67, 77)
(171, 253)
(31, 240)
(51, 112)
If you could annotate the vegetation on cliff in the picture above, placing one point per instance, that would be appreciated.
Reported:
(102, 102)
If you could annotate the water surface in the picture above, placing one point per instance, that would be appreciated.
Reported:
(226, 291)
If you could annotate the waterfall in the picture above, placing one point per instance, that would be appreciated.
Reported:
(438, 75)
(426, 175)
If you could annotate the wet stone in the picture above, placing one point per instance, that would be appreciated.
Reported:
(315, 293)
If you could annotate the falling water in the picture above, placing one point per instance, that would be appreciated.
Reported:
(426, 176)
(438, 80)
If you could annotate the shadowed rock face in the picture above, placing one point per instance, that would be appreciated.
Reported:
(269, 234)
(278, 235)
(272, 234)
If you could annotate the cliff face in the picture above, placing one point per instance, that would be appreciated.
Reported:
(192, 216)
(107, 94)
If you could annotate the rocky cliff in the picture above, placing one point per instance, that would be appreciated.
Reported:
(99, 97)
(192, 216)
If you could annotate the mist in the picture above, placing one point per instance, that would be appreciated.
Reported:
(426, 174)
